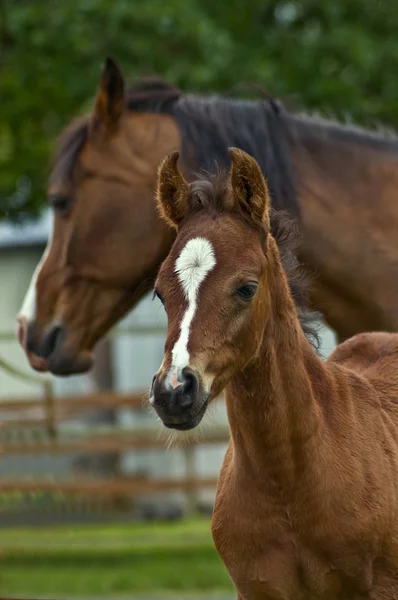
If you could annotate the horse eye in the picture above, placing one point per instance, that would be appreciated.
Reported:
(156, 294)
(246, 292)
(60, 203)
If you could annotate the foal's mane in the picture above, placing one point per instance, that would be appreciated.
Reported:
(286, 232)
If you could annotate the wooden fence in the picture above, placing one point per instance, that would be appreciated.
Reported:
(35, 426)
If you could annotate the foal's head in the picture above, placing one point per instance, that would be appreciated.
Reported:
(213, 284)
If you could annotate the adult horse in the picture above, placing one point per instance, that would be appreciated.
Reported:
(108, 240)
(306, 503)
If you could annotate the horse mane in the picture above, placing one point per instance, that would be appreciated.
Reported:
(379, 137)
(210, 124)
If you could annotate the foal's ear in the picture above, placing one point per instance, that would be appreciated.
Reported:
(249, 188)
(172, 191)
(110, 101)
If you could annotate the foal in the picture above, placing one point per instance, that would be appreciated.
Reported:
(307, 499)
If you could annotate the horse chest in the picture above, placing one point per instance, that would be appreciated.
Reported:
(277, 568)
(266, 558)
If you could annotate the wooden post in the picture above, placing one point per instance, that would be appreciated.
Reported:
(50, 409)
(191, 474)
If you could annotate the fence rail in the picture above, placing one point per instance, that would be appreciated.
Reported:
(106, 488)
(34, 427)
(103, 444)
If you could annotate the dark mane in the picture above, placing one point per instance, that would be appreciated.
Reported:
(381, 137)
(286, 233)
(210, 124)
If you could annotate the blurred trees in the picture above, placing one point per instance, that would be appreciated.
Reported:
(340, 57)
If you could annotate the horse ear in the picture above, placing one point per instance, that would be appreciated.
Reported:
(171, 191)
(110, 101)
(249, 188)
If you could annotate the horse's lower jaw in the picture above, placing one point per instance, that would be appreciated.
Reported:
(60, 367)
(64, 365)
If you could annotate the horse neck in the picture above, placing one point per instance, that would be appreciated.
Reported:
(346, 184)
(273, 415)
(332, 153)
(342, 176)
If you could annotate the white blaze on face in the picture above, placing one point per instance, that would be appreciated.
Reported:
(196, 260)
(28, 308)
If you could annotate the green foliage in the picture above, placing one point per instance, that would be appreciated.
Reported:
(339, 57)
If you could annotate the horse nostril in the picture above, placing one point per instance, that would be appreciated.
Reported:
(50, 341)
(32, 338)
(189, 389)
(189, 384)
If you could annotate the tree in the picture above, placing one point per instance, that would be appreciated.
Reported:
(337, 57)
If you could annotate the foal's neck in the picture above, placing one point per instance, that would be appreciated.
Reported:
(273, 414)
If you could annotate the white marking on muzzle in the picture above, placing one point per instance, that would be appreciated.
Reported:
(196, 260)
(28, 308)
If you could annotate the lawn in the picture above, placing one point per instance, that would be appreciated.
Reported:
(105, 560)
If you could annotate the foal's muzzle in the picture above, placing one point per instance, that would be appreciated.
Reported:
(179, 399)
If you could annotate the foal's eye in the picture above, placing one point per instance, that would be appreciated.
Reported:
(60, 203)
(158, 295)
(247, 291)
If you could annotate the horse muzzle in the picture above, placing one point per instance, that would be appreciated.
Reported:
(47, 349)
(179, 399)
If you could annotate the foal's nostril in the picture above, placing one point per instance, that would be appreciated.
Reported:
(189, 384)
(187, 393)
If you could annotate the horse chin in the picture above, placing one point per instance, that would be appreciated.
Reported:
(38, 363)
(65, 364)
(190, 421)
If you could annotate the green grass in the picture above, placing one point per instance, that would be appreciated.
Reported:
(92, 560)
